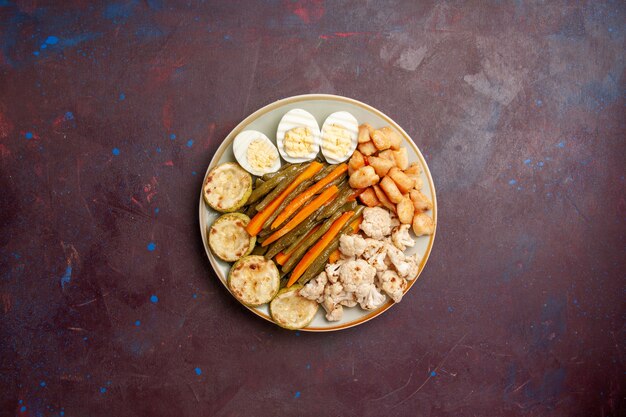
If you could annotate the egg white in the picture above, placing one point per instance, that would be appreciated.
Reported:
(350, 124)
(298, 118)
(240, 146)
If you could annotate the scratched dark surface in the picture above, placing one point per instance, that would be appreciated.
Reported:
(110, 113)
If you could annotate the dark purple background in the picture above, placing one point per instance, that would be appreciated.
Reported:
(109, 116)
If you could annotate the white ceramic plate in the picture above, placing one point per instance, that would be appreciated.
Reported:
(320, 105)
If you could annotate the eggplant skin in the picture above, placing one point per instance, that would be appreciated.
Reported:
(227, 187)
(292, 311)
(228, 237)
(254, 280)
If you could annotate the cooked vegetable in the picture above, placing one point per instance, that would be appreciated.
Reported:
(364, 177)
(380, 139)
(309, 241)
(382, 197)
(228, 237)
(301, 199)
(253, 280)
(227, 187)
(324, 172)
(320, 262)
(405, 210)
(368, 197)
(402, 158)
(258, 250)
(403, 182)
(391, 190)
(367, 148)
(356, 161)
(420, 201)
(423, 224)
(271, 183)
(336, 255)
(292, 311)
(283, 256)
(317, 249)
(364, 133)
(394, 138)
(299, 189)
(255, 225)
(380, 165)
(284, 183)
(303, 214)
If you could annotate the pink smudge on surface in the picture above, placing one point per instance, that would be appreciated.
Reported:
(4, 151)
(167, 115)
(6, 127)
(151, 189)
(168, 163)
(309, 11)
(342, 35)
(5, 299)
(209, 135)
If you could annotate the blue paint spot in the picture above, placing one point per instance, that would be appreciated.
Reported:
(450, 309)
(108, 382)
(195, 296)
(22, 409)
(539, 103)
(156, 210)
(52, 40)
(28, 135)
(610, 29)
(158, 150)
(151, 246)
(433, 373)
(85, 338)
(20, 402)
(154, 299)
(297, 333)
(67, 277)
(122, 96)
(119, 12)
(190, 143)
(227, 37)
(519, 188)
(172, 136)
(308, 366)
(527, 161)
(69, 115)
(138, 323)
(198, 371)
(62, 413)
(297, 394)
(42, 383)
(103, 390)
(512, 182)
(540, 164)
(193, 172)
(44, 46)
(115, 151)
(560, 145)
(36, 53)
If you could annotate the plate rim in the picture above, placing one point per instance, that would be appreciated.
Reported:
(306, 97)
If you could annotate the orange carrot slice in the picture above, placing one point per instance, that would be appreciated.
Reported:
(317, 202)
(299, 201)
(317, 249)
(256, 223)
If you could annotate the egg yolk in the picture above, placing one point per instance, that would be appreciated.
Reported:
(336, 141)
(298, 142)
(260, 154)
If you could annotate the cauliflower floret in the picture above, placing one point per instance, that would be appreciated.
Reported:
(314, 289)
(407, 267)
(375, 253)
(338, 294)
(394, 220)
(392, 284)
(351, 245)
(376, 222)
(369, 297)
(332, 271)
(401, 238)
(334, 312)
(355, 273)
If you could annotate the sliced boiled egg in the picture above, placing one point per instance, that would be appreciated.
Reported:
(298, 136)
(256, 153)
(339, 136)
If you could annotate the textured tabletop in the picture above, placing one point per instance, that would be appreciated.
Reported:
(111, 112)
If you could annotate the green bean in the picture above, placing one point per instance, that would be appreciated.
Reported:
(286, 179)
(271, 175)
(308, 242)
(300, 188)
(270, 184)
(342, 196)
(250, 211)
(300, 238)
(258, 182)
(320, 262)
(259, 250)
(323, 172)
(282, 243)
(297, 232)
